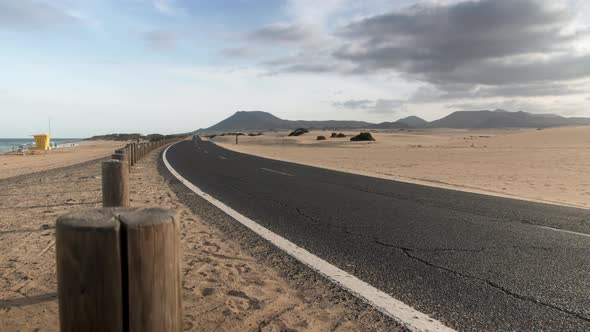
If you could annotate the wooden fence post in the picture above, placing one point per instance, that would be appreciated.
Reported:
(89, 279)
(120, 155)
(119, 270)
(153, 258)
(115, 184)
(135, 154)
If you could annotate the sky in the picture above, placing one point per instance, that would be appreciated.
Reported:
(169, 66)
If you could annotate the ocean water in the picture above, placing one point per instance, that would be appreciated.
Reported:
(12, 144)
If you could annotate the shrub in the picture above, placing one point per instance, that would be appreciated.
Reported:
(363, 137)
(299, 132)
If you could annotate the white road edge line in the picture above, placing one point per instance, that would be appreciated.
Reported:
(562, 230)
(272, 170)
(407, 316)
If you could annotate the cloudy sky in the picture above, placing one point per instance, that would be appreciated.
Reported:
(101, 66)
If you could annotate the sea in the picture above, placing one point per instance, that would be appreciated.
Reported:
(12, 144)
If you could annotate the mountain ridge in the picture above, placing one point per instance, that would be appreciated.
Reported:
(264, 121)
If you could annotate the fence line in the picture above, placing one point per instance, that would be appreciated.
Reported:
(118, 268)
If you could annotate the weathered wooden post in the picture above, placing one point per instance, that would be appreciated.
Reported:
(119, 270)
(129, 155)
(89, 281)
(122, 156)
(115, 184)
(132, 154)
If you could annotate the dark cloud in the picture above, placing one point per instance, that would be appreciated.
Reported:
(161, 40)
(487, 42)
(281, 33)
(30, 14)
(381, 106)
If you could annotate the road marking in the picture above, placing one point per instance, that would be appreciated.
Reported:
(220, 157)
(563, 230)
(272, 170)
(407, 316)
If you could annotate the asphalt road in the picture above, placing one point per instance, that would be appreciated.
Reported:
(473, 262)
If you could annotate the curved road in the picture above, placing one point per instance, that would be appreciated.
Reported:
(473, 262)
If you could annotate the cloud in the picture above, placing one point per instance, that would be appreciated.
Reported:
(381, 106)
(281, 33)
(239, 52)
(430, 93)
(571, 108)
(485, 42)
(161, 40)
(308, 61)
(30, 14)
(166, 7)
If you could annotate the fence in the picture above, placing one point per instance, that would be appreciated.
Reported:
(118, 268)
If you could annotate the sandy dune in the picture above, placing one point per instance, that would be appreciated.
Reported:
(549, 165)
(13, 165)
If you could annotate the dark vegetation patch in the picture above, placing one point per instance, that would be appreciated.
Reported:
(299, 132)
(362, 137)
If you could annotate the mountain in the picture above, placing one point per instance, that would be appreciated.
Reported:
(263, 121)
(413, 121)
(259, 121)
(503, 119)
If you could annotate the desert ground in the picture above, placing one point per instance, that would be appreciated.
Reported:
(548, 165)
(12, 164)
(225, 287)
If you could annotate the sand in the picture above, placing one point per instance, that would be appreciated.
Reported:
(224, 287)
(549, 165)
(13, 164)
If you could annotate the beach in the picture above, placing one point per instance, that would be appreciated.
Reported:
(548, 165)
(13, 164)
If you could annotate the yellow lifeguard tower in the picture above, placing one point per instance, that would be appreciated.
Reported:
(41, 142)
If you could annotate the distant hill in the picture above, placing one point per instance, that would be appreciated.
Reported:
(263, 121)
(413, 121)
(259, 121)
(503, 119)
(133, 137)
(389, 125)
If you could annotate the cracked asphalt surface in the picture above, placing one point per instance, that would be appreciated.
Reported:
(472, 261)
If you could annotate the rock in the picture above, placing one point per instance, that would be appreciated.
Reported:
(340, 135)
(321, 138)
(334, 135)
(299, 132)
(362, 137)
